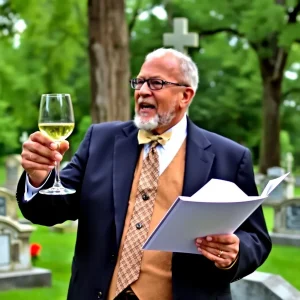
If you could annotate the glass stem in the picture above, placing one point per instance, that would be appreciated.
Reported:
(57, 182)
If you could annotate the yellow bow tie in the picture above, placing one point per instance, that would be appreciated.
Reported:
(145, 137)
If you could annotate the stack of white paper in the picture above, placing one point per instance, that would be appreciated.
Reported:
(219, 207)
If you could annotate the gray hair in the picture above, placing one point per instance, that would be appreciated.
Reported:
(188, 67)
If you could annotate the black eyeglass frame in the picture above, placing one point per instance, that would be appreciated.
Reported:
(163, 82)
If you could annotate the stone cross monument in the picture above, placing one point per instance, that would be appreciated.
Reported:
(180, 39)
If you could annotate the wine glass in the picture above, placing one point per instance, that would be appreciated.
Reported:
(56, 120)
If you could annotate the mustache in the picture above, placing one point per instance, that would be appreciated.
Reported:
(144, 101)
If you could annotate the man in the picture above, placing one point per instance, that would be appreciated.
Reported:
(125, 181)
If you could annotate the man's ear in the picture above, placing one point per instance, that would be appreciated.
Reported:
(187, 97)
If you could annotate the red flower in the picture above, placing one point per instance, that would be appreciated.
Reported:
(35, 249)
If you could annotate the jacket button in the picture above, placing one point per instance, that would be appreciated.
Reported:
(100, 295)
(139, 225)
(112, 258)
(145, 197)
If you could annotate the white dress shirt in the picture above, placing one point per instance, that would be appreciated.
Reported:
(168, 151)
(166, 154)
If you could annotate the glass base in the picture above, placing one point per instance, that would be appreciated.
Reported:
(57, 191)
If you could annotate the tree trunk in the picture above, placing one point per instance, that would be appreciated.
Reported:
(270, 143)
(109, 60)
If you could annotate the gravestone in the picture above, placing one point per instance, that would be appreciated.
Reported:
(286, 229)
(13, 171)
(180, 39)
(14, 241)
(8, 204)
(297, 180)
(15, 261)
(263, 286)
(284, 191)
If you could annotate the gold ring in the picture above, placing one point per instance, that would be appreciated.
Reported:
(220, 253)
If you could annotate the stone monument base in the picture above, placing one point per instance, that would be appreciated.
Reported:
(33, 278)
(263, 286)
(285, 239)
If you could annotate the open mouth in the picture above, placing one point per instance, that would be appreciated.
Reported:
(147, 107)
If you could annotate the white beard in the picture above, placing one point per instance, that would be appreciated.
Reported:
(146, 125)
(155, 122)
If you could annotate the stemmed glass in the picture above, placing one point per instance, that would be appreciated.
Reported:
(56, 120)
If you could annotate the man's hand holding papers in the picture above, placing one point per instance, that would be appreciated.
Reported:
(212, 215)
(222, 249)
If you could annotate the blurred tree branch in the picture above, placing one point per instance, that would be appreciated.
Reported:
(135, 15)
(290, 91)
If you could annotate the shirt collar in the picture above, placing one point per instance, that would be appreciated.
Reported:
(178, 129)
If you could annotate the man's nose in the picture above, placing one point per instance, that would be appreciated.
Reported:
(145, 90)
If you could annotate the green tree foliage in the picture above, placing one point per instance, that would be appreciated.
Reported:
(53, 57)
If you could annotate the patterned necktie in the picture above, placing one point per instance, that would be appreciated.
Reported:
(145, 137)
(131, 256)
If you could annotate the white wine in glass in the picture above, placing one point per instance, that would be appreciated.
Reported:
(56, 120)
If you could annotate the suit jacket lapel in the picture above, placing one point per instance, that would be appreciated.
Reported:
(126, 153)
(199, 160)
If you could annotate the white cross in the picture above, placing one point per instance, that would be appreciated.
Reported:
(23, 137)
(180, 38)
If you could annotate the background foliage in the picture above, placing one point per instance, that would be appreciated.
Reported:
(43, 48)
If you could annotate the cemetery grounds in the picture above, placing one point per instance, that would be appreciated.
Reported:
(57, 253)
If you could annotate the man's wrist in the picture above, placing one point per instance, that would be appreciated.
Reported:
(231, 265)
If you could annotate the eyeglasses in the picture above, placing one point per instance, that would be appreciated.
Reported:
(153, 84)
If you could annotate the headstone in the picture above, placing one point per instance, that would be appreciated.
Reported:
(15, 260)
(286, 229)
(287, 217)
(297, 180)
(4, 250)
(14, 241)
(263, 286)
(284, 191)
(180, 39)
(16, 270)
(13, 171)
(8, 204)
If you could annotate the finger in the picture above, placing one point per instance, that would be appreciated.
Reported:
(61, 147)
(38, 153)
(217, 246)
(36, 158)
(40, 138)
(32, 167)
(215, 251)
(219, 261)
(226, 239)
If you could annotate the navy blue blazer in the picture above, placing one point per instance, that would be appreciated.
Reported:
(102, 171)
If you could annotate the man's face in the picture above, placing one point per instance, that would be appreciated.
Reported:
(159, 110)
